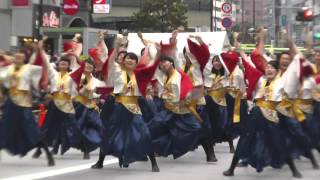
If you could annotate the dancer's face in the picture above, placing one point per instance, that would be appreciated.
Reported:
(216, 64)
(88, 68)
(284, 62)
(166, 66)
(19, 59)
(129, 63)
(63, 66)
(271, 72)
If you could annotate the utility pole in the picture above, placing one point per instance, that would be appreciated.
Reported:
(215, 15)
(277, 3)
(242, 15)
(211, 15)
(254, 13)
(40, 10)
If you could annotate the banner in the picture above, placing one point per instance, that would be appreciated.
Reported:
(20, 3)
(50, 16)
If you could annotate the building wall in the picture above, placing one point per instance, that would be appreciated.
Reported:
(196, 18)
(4, 4)
(22, 22)
(5, 29)
(199, 19)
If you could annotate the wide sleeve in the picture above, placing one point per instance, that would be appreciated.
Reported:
(35, 76)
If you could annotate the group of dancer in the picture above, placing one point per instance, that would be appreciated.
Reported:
(158, 104)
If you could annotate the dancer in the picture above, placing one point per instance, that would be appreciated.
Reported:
(126, 134)
(20, 131)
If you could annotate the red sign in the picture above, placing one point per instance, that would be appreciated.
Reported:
(99, 1)
(20, 3)
(70, 7)
(226, 7)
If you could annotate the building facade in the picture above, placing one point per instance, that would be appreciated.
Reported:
(22, 24)
(199, 14)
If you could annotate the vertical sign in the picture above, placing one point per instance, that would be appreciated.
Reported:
(101, 6)
(226, 20)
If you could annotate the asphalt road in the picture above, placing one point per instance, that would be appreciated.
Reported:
(192, 166)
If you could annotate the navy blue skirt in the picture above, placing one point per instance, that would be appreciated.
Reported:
(263, 143)
(314, 126)
(205, 133)
(297, 141)
(126, 135)
(1, 129)
(61, 129)
(90, 126)
(233, 130)
(311, 127)
(174, 134)
(20, 132)
(1, 134)
(218, 118)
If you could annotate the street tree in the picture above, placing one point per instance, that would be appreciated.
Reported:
(161, 16)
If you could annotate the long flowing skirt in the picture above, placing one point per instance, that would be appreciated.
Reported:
(233, 130)
(314, 126)
(126, 135)
(218, 117)
(1, 128)
(90, 126)
(297, 141)
(174, 134)
(61, 129)
(263, 143)
(205, 138)
(20, 132)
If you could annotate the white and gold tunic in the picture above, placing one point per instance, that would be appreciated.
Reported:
(215, 85)
(86, 94)
(294, 105)
(125, 88)
(20, 82)
(63, 89)
(169, 90)
(267, 95)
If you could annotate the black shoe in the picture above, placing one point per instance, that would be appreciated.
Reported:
(232, 150)
(37, 154)
(98, 165)
(86, 156)
(211, 159)
(228, 173)
(297, 174)
(51, 162)
(315, 166)
(155, 169)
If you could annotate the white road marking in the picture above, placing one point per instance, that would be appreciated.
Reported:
(57, 172)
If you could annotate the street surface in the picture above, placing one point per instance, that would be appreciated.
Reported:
(190, 167)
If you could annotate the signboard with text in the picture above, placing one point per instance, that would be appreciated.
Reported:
(101, 6)
(20, 3)
(50, 16)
